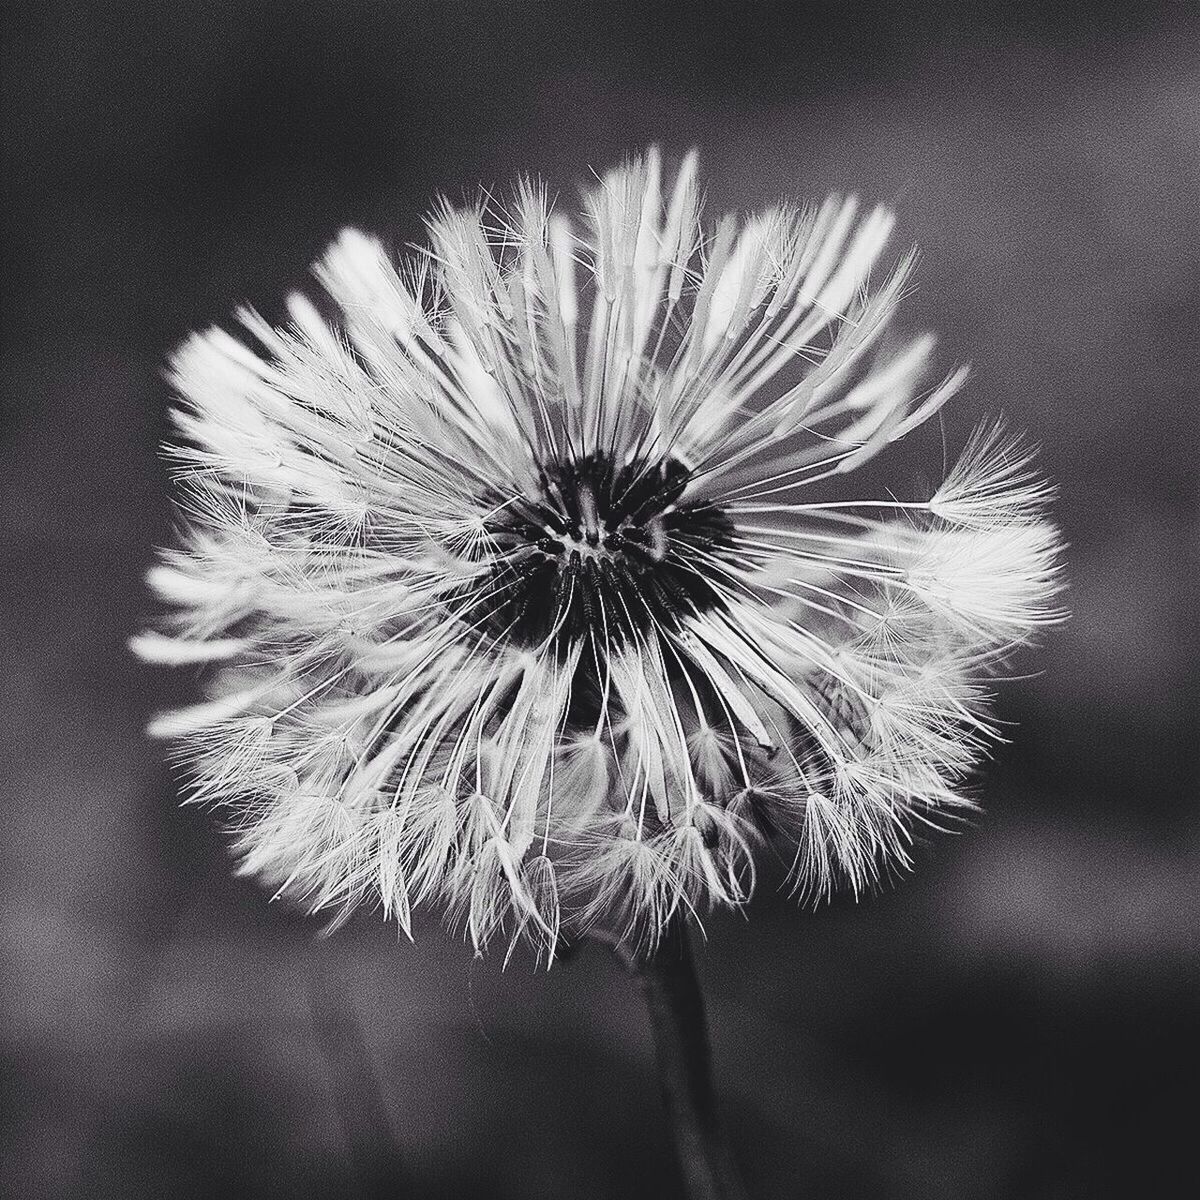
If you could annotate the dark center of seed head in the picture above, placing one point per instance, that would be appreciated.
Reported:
(606, 548)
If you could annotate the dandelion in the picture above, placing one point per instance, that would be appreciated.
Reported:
(527, 587)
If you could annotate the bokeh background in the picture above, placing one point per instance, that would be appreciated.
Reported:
(1017, 1019)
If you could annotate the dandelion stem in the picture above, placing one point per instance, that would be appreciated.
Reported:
(676, 1005)
(374, 1160)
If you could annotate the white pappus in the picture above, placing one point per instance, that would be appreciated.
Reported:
(520, 587)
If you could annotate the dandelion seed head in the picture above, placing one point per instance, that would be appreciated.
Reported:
(518, 589)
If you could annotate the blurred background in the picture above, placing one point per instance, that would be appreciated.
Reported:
(1017, 1019)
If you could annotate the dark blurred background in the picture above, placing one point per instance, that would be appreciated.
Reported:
(1017, 1019)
